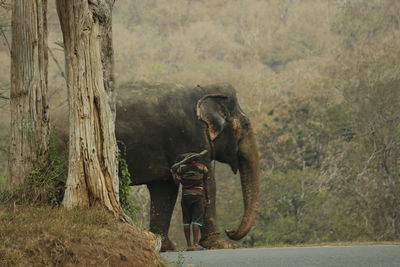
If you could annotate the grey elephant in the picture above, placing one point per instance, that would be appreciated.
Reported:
(156, 123)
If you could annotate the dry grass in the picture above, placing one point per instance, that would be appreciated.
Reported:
(45, 236)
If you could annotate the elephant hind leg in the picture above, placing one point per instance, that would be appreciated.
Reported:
(163, 198)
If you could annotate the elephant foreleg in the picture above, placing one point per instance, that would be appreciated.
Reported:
(163, 197)
(210, 223)
(210, 237)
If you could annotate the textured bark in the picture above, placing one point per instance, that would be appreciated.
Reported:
(28, 97)
(93, 173)
(107, 52)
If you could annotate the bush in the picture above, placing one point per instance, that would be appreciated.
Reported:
(297, 208)
(125, 181)
(45, 184)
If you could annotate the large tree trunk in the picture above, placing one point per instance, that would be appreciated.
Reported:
(93, 173)
(28, 97)
(107, 53)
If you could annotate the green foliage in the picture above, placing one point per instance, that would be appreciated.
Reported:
(45, 184)
(351, 142)
(296, 208)
(283, 217)
(338, 123)
(295, 136)
(125, 181)
(364, 171)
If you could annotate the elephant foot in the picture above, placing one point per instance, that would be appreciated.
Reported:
(214, 241)
(167, 245)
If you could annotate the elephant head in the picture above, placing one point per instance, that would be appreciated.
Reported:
(234, 143)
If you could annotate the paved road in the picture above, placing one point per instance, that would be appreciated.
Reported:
(337, 256)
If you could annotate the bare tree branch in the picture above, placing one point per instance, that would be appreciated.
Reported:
(57, 63)
(6, 40)
(60, 44)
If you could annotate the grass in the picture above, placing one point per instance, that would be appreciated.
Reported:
(46, 236)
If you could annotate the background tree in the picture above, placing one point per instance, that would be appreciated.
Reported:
(93, 173)
(5, 21)
(28, 96)
(367, 74)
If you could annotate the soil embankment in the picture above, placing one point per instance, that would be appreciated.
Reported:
(45, 236)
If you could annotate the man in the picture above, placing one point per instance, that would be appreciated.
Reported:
(193, 175)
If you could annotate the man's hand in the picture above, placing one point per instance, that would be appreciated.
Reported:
(207, 202)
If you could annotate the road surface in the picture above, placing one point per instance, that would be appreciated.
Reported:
(335, 256)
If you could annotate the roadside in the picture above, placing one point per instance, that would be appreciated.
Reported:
(46, 236)
(326, 256)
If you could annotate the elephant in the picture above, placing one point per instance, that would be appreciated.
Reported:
(156, 123)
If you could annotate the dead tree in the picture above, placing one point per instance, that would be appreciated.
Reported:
(28, 95)
(93, 167)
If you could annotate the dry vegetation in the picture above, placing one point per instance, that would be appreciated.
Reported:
(46, 236)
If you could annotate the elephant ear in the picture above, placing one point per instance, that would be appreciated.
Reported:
(212, 111)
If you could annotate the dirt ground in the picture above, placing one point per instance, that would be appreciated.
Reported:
(45, 236)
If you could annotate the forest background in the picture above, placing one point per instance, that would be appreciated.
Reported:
(319, 80)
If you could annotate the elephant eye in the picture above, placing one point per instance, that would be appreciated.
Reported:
(224, 111)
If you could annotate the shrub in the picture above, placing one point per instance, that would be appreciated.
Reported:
(45, 184)
(125, 181)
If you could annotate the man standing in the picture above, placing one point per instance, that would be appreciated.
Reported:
(193, 175)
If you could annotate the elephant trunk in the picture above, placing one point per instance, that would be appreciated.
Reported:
(249, 168)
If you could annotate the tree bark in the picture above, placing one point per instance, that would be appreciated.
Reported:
(93, 173)
(28, 96)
